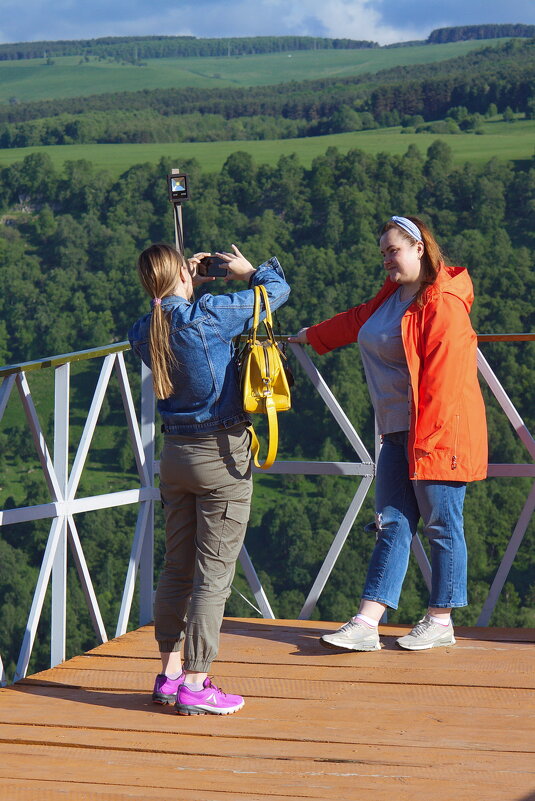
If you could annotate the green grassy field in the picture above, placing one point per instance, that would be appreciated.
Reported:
(67, 77)
(506, 141)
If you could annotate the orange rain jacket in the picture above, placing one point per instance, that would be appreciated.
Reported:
(447, 413)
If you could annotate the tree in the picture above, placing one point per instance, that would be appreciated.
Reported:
(68, 268)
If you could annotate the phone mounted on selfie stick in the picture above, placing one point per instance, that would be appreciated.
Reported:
(177, 189)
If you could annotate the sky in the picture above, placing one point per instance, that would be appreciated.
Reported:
(382, 21)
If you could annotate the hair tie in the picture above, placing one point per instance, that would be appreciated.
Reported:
(156, 302)
(409, 227)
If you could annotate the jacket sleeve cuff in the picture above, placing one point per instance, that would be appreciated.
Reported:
(271, 264)
(314, 340)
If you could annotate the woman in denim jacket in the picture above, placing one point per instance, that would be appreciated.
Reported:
(205, 471)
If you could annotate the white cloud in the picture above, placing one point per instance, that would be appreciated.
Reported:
(352, 19)
(383, 21)
(70, 19)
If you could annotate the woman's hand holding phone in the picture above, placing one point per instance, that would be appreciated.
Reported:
(193, 267)
(239, 268)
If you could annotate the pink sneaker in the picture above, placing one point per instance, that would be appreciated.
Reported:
(209, 701)
(165, 689)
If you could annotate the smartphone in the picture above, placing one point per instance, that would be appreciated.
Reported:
(213, 267)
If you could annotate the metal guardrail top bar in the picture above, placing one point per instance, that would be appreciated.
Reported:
(506, 337)
(64, 358)
(93, 353)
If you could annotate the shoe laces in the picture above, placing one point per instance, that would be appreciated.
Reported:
(422, 626)
(351, 624)
(214, 686)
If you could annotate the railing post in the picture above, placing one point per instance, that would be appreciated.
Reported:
(61, 468)
(507, 562)
(146, 567)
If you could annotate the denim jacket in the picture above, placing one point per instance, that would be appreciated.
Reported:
(206, 389)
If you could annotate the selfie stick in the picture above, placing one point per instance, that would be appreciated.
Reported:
(179, 230)
(177, 214)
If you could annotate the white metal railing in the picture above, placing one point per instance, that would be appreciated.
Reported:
(510, 470)
(64, 503)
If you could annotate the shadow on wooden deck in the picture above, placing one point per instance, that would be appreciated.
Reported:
(451, 723)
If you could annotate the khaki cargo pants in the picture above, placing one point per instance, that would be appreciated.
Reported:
(206, 487)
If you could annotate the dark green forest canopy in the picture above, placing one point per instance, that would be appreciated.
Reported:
(82, 228)
(68, 246)
(500, 78)
(140, 47)
(463, 32)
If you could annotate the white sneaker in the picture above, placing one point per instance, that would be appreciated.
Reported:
(353, 636)
(427, 634)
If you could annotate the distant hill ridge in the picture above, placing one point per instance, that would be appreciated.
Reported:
(135, 48)
(502, 74)
(463, 33)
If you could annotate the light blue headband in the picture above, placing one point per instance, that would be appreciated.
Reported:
(409, 227)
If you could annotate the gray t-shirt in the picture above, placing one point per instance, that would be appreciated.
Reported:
(385, 364)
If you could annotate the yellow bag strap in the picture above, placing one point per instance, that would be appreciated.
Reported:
(263, 291)
(256, 313)
(260, 293)
(273, 437)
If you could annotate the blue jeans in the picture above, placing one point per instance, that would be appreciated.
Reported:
(399, 504)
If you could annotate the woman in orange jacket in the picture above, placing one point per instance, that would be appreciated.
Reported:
(419, 353)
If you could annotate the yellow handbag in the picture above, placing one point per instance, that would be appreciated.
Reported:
(264, 383)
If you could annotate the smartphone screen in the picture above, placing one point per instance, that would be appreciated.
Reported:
(213, 267)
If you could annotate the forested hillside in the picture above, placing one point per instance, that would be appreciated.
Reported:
(489, 80)
(135, 48)
(68, 244)
(462, 32)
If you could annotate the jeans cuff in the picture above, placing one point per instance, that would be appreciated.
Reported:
(388, 604)
(447, 605)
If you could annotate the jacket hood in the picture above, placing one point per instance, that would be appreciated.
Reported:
(455, 281)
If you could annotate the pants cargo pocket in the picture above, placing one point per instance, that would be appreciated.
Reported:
(234, 528)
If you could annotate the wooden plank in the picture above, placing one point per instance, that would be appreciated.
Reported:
(480, 633)
(276, 681)
(222, 745)
(143, 638)
(390, 725)
(305, 638)
(24, 790)
(297, 779)
(337, 720)
(497, 667)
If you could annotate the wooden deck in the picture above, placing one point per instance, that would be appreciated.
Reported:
(448, 724)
